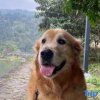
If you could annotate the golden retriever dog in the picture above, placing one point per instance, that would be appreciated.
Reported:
(57, 73)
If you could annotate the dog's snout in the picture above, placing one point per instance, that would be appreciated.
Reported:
(47, 54)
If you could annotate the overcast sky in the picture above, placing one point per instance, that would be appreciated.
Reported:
(18, 4)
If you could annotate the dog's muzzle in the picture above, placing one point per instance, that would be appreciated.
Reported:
(47, 68)
(46, 56)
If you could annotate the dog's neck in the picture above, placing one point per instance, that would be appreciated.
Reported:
(63, 78)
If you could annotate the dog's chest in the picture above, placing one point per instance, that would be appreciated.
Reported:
(57, 93)
(55, 96)
(51, 93)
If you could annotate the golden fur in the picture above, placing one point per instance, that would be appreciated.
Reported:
(69, 83)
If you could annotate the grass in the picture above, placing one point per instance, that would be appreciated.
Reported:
(8, 63)
(93, 83)
(94, 69)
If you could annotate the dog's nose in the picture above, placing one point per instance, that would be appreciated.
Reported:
(47, 54)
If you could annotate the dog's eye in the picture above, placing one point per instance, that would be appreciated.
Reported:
(61, 41)
(43, 41)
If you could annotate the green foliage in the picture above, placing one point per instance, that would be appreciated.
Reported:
(94, 69)
(93, 83)
(90, 8)
(54, 16)
(94, 80)
(18, 29)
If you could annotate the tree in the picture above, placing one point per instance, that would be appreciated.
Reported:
(90, 8)
(54, 16)
(18, 28)
(61, 13)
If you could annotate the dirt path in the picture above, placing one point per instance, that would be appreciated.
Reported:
(13, 85)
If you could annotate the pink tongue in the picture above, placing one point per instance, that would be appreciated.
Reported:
(47, 70)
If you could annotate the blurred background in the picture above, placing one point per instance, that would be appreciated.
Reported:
(23, 21)
(18, 31)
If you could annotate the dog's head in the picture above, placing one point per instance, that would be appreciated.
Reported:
(56, 50)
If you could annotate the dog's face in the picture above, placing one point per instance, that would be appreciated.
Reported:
(56, 50)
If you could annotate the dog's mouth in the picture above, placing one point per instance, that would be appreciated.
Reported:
(49, 70)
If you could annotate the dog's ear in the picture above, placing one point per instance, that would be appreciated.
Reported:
(74, 43)
(77, 47)
(37, 46)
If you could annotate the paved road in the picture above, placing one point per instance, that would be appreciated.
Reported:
(13, 85)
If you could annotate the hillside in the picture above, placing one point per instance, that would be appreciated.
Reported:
(18, 30)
